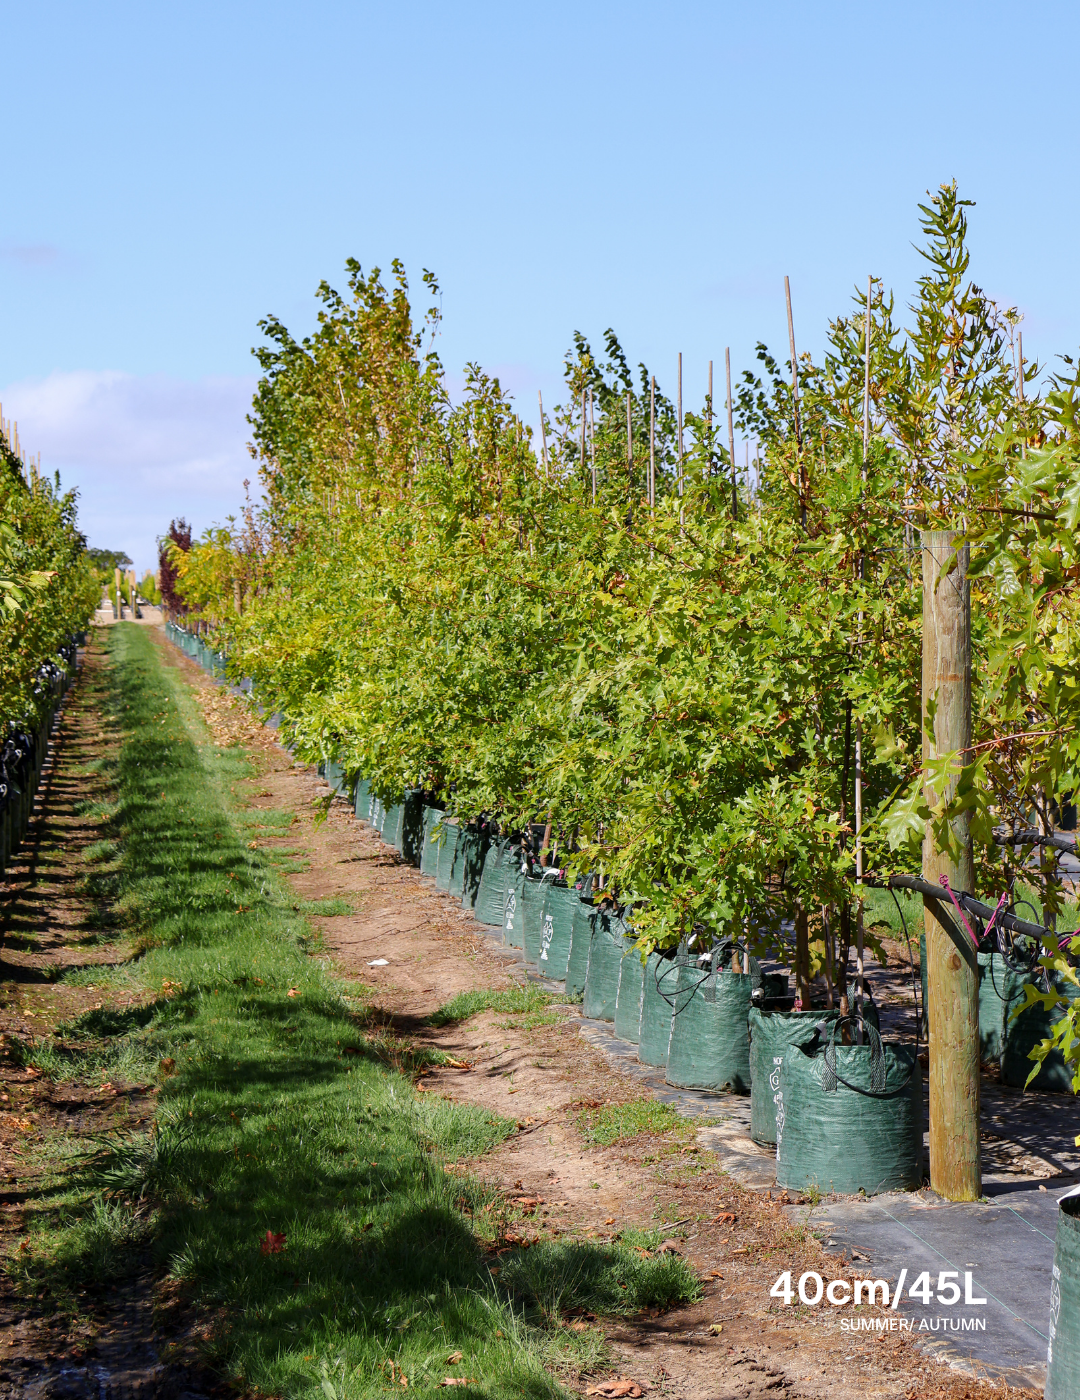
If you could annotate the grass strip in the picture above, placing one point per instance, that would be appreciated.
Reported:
(295, 1186)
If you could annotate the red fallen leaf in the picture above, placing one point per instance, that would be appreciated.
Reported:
(616, 1389)
(726, 1217)
(271, 1243)
(668, 1247)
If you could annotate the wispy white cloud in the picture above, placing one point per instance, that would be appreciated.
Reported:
(140, 448)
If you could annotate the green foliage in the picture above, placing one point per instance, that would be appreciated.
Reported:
(433, 597)
(47, 587)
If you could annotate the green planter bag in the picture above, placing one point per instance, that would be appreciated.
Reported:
(710, 1040)
(412, 826)
(392, 824)
(628, 998)
(771, 1034)
(490, 906)
(532, 903)
(513, 914)
(577, 965)
(605, 962)
(456, 887)
(429, 855)
(362, 805)
(473, 851)
(451, 834)
(849, 1117)
(657, 987)
(1063, 1351)
(1024, 1031)
(556, 929)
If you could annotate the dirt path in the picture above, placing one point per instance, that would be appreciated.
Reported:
(416, 949)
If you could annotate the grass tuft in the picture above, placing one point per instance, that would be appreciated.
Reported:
(513, 1001)
(622, 1122)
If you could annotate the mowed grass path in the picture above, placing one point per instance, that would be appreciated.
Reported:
(295, 1185)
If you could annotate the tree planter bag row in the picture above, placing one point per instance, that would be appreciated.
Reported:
(490, 906)
(771, 1034)
(580, 937)
(429, 850)
(465, 847)
(606, 948)
(710, 1043)
(849, 1117)
(392, 824)
(362, 802)
(654, 1032)
(628, 998)
(513, 918)
(556, 930)
(1063, 1351)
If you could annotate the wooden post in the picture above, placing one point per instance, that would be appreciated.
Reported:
(953, 980)
(795, 403)
(731, 439)
(543, 431)
(709, 421)
(119, 611)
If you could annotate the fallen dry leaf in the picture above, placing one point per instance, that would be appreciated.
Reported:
(724, 1218)
(668, 1246)
(464, 1380)
(294, 992)
(610, 1220)
(715, 1328)
(271, 1243)
(618, 1388)
(453, 1358)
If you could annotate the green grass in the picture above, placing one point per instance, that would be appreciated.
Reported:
(295, 1183)
(513, 1001)
(100, 851)
(330, 908)
(621, 1122)
(880, 911)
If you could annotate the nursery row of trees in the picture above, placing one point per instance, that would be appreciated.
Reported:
(47, 585)
(597, 628)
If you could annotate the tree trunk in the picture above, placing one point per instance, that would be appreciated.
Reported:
(953, 973)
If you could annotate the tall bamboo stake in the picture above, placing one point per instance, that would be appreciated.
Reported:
(583, 433)
(680, 426)
(1020, 383)
(543, 431)
(652, 440)
(708, 420)
(629, 439)
(859, 948)
(592, 445)
(731, 438)
(795, 402)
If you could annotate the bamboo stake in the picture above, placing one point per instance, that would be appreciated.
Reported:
(1020, 383)
(731, 438)
(652, 441)
(795, 402)
(543, 431)
(859, 930)
(708, 420)
(629, 436)
(592, 444)
(680, 426)
(583, 433)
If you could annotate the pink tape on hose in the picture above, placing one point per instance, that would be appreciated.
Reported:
(943, 881)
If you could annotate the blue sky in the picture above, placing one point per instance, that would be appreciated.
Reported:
(171, 173)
